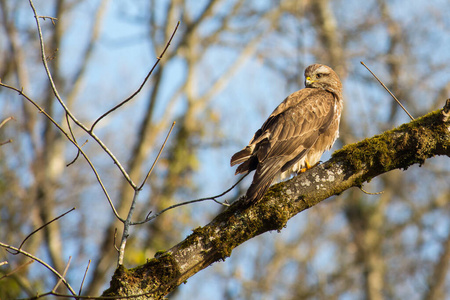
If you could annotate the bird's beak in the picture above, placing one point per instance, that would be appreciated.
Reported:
(308, 81)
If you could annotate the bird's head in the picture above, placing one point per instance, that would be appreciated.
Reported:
(323, 77)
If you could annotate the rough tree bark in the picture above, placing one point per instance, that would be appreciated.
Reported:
(354, 164)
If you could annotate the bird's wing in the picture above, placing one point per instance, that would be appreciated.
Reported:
(295, 128)
(266, 131)
(288, 134)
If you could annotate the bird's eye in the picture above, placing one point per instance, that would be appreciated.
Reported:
(318, 75)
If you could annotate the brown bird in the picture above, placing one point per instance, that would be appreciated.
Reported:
(296, 134)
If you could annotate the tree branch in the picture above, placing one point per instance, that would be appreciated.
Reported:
(354, 164)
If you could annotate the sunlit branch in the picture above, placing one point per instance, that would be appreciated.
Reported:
(48, 223)
(64, 106)
(213, 198)
(84, 277)
(6, 142)
(143, 83)
(157, 157)
(63, 275)
(126, 227)
(385, 87)
(6, 246)
(97, 176)
(1, 125)
(5, 121)
(16, 269)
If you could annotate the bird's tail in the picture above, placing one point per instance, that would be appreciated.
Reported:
(241, 156)
(261, 182)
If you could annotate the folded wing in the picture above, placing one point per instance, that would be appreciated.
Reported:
(285, 138)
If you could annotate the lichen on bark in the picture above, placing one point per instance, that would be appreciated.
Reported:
(351, 166)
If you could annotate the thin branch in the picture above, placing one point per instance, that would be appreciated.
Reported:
(34, 231)
(128, 222)
(70, 127)
(73, 142)
(44, 61)
(16, 269)
(385, 87)
(126, 227)
(6, 246)
(213, 198)
(64, 106)
(78, 154)
(53, 19)
(6, 142)
(63, 275)
(73, 137)
(143, 83)
(220, 195)
(60, 295)
(114, 242)
(369, 193)
(5, 121)
(84, 277)
(157, 157)
(1, 125)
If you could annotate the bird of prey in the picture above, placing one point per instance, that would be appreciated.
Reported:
(296, 134)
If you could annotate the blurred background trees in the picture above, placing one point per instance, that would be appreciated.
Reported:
(228, 67)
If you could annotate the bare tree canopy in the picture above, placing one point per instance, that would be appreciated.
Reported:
(117, 124)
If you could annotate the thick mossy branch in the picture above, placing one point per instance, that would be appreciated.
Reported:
(154, 279)
(353, 165)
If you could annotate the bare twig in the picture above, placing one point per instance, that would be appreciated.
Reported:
(385, 87)
(63, 275)
(128, 222)
(220, 195)
(64, 106)
(157, 157)
(34, 231)
(97, 176)
(126, 228)
(143, 83)
(5, 121)
(53, 19)
(213, 198)
(16, 269)
(1, 125)
(115, 237)
(6, 246)
(84, 277)
(6, 142)
(73, 138)
(78, 154)
(70, 127)
(369, 193)
(52, 56)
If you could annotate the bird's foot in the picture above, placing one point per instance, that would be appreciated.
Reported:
(308, 166)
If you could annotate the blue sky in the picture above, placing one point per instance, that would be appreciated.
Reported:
(124, 55)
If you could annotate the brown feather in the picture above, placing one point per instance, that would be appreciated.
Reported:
(241, 156)
(301, 128)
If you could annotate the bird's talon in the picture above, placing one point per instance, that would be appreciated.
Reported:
(308, 166)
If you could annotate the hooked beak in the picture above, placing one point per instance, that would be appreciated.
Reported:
(308, 81)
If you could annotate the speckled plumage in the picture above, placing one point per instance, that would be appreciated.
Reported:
(299, 130)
